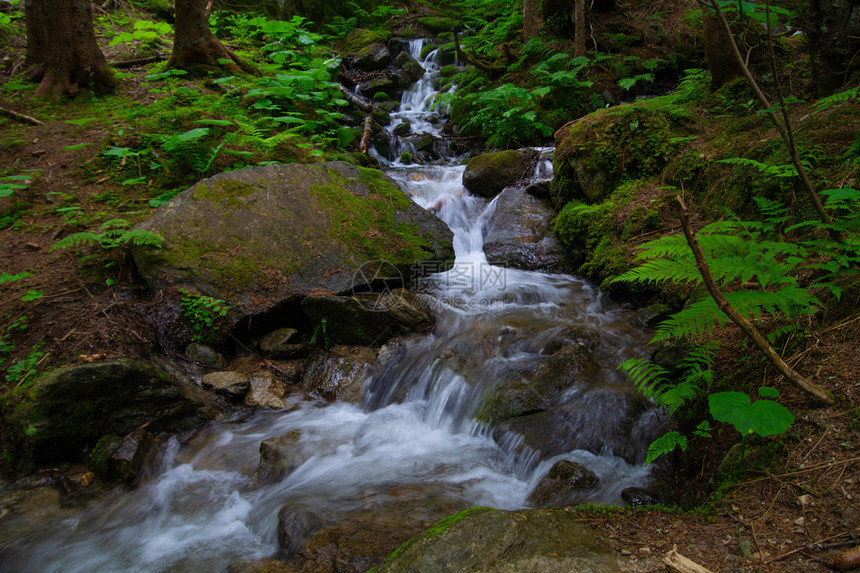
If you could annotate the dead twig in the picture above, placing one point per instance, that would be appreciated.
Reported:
(20, 116)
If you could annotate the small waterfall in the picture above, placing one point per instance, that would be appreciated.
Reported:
(200, 509)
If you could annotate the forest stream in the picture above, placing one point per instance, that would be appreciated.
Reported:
(415, 437)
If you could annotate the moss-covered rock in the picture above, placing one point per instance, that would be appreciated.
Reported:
(492, 540)
(488, 174)
(596, 153)
(563, 485)
(72, 408)
(438, 24)
(259, 237)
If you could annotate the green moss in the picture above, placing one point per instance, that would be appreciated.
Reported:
(438, 24)
(360, 38)
(436, 529)
(225, 191)
(368, 222)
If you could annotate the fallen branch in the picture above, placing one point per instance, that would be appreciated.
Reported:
(138, 62)
(368, 132)
(748, 328)
(20, 117)
(356, 100)
(677, 563)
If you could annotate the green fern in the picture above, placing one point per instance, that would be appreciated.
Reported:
(114, 234)
(837, 98)
(664, 445)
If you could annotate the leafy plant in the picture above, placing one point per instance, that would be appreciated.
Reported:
(205, 314)
(115, 233)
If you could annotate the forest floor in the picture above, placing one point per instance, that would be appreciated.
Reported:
(793, 505)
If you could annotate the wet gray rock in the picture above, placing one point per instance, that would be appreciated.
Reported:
(279, 457)
(205, 355)
(638, 497)
(598, 418)
(488, 174)
(488, 540)
(539, 390)
(264, 236)
(229, 383)
(652, 315)
(116, 459)
(562, 485)
(266, 391)
(521, 234)
(340, 373)
(72, 408)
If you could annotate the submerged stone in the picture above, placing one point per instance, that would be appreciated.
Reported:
(562, 485)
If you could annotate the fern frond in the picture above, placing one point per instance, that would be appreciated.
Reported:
(836, 98)
(664, 445)
(116, 224)
(76, 240)
(141, 237)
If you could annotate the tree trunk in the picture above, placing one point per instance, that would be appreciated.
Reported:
(579, 30)
(62, 46)
(834, 42)
(531, 23)
(194, 46)
(719, 54)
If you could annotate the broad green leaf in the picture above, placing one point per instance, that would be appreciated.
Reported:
(7, 278)
(75, 147)
(769, 418)
(768, 392)
(82, 121)
(32, 295)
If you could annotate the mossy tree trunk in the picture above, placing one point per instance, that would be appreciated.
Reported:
(531, 22)
(579, 30)
(61, 45)
(194, 46)
(718, 52)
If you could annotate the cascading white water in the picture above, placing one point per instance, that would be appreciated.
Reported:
(199, 509)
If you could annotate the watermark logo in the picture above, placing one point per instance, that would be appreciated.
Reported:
(431, 285)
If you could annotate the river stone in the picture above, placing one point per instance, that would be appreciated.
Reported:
(597, 418)
(374, 56)
(521, 235)
(116, 459)
(361, 539)
(349, 319)
(276, 339)
(266, 391)
(537, 392)
(261, 566)
(279, 457)
(638, 497)
(486, 540)
(562, 485)
(488, 174)
(205, 355)
(227, 382)
(72, 408)
(340, 373)
(264, 236)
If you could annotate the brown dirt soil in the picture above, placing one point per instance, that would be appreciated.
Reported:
(793, 507)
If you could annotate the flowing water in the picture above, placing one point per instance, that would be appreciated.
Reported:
(199, 508)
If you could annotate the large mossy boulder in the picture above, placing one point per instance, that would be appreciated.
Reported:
(267, 235)
(488, 174)
(596, 153)
(491, 540)
(72, 408)
(521, 234)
